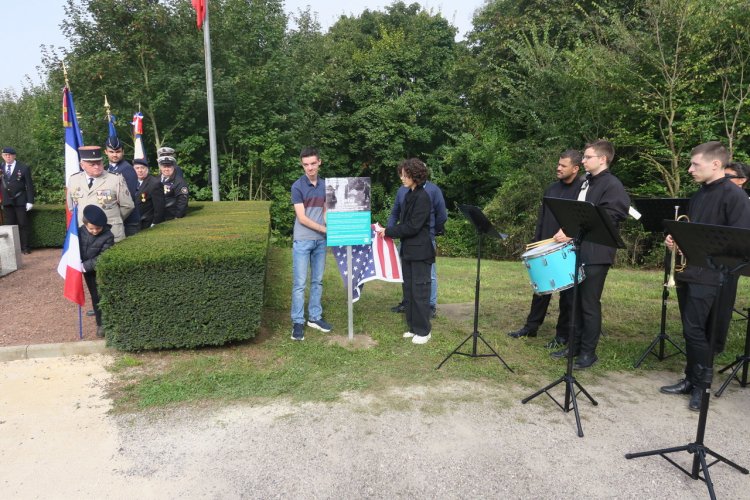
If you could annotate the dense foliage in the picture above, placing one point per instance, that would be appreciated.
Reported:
(489, 114)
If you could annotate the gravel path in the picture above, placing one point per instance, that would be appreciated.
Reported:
(460, 441)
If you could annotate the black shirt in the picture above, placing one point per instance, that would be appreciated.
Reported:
(546, 224)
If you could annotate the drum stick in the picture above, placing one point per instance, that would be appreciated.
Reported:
(539, 243)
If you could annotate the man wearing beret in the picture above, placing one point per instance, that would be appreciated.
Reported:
(95, 186)
(149, 195)
(175, 189)
(118, 165)
(17, 195)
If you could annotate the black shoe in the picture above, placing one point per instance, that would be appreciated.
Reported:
(399, 308)
(695, 399)
(585, 360)
(684, 386)
(26, 251)
(90, 312)
(561, 354)
(523, 332)
(433, 312)
(556, 343)
(100, 332)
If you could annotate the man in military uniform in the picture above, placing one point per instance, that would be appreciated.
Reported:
(95, 186)
(118, 165)
(149, 195)
(175, 189)
(17, 194)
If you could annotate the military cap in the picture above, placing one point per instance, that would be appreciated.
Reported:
(167, 161)
(90, 153)
(94, 215)
(113, 142)
(165, 151)
(8, 150)
(140, 161)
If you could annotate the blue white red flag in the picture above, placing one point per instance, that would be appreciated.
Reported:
(70, 266)
(377, 261)
(73, 140)
(139, 152)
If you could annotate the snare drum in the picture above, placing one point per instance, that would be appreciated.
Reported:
(551, 267)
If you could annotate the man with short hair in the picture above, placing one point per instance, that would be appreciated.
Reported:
(603, 189)
(438, 217)
(309, 245)
(17, 195)
(718, 202)
(115, 151)
(149, 195)
(567, 187)
(95, 186)
(175, 189)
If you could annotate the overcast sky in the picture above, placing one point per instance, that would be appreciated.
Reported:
(31, 23)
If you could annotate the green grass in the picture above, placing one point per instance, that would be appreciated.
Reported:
(274, 366)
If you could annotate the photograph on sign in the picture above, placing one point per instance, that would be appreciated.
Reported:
(348, 194)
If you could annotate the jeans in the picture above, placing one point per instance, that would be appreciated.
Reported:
(307, 254)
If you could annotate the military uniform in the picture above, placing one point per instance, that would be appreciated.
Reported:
(17, 190)
(109, 192)
(175, 197)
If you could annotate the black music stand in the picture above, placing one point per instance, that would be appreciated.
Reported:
(741, 363)
(726, 250)
(592, 224)
(654, 212)
(483, 227)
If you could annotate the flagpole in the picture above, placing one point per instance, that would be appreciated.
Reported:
(210, 98)
(350, 292)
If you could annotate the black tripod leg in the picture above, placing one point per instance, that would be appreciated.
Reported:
(661, 451)
(738, 365)
(455, 351)
(648, 351)
(495, 353)
(726, 461)
(701, 455)
(573, 400)
(543, 390)
(593, 401)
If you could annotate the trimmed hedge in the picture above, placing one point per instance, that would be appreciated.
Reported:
(191, 282)
(47, 226)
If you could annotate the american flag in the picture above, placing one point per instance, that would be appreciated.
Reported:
(378, 261)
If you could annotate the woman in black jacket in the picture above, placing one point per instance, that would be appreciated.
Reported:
(417, 252)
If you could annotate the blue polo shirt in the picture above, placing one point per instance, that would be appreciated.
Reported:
(314, 199)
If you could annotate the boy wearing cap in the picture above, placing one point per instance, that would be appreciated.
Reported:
(175, 189)
(95, 186)
(114, 149)
(17, 195)
(94, 237)
(149, 195)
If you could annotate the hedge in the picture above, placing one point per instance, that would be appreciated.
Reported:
(47, 226)
(185, 283)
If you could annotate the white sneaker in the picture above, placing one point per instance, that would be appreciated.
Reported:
(421, 339)
(408, 335)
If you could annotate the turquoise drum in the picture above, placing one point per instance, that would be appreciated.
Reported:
(551, 267)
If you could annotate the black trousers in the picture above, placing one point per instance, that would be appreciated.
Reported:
(589, 311)
(697, 314)
(90, 278)
(132, 228)
(17, 216)
(539, 305)
(417, 284)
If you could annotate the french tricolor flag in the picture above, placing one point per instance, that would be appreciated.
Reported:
(73, 139)
(70, 266)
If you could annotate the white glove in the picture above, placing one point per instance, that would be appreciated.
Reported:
(29, 206)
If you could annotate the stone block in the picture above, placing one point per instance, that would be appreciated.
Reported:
(10, 250)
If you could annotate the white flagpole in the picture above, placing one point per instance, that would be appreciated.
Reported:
(210, 98)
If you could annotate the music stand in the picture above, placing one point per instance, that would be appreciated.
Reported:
(483, 227)
(592, 224)
(726, 250)
(741, 363)
(654, 212)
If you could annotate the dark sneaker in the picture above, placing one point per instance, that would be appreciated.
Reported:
(561, 354)
(298, 331)
(319, 324)
(433, 312)
(556, 343)
(399, 308)
(523, 332)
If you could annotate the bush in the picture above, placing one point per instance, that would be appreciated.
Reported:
(47, 226)
(196, 281)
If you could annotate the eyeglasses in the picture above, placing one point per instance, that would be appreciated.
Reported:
(588, 157)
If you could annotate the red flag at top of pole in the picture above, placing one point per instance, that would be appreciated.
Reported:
(200, 12)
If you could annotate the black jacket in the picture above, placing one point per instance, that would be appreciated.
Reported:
(604, 190)
(126, 170)
(546, 224)
(414, 228)
(92, 246)
(18, 190)
(150, 201)
(175, 197)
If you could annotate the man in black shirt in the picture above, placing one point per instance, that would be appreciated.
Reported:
(603, 189)
(567, 187)
(718, 202)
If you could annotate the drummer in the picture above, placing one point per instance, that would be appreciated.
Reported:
(567, 186)
(603, 189)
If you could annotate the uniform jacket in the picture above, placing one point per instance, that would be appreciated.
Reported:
(546, 224)
(109, 191)
(175, 197)
(18, 190)
(414, 228)
(92, 246)
(126, 170)
(604, 190)
(150, 200)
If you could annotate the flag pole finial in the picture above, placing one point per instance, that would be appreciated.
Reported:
(65, 74)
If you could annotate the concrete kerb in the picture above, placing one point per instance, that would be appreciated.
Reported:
(83, 347)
